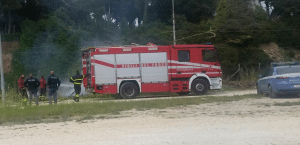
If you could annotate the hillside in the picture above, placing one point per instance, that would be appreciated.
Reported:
(277, 53)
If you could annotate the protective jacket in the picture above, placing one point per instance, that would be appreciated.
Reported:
(32, 83)
(43, 83)
(53, 81)
(21, 83)
(77, 79)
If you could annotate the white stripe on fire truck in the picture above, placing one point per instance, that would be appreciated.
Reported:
(194, 73)
(195, 64)
(174, 67)
(185, 65)
(195, 67)
(177, 67)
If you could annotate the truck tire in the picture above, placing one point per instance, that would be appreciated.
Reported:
(183, 93)
(199, 87)
(128, 90)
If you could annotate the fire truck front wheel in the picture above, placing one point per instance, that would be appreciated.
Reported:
(128, 90)
(199, 87)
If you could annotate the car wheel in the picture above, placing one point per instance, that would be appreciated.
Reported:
(258, 90)
(128, 90)
(199, 87)
(272, 94)
(183, 93)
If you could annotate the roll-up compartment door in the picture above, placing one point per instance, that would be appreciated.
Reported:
(128, 65)
(154, 67)
(105, 71)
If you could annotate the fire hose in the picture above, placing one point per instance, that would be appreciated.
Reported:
(71, 94)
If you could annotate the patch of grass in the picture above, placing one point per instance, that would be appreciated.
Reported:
(245, 79)
(162, 111)
(101, 117)
(86, 110)
(287, 103)
(106, 96)
(81, 119)
(262, 104)
(227, 86)
(141, 109)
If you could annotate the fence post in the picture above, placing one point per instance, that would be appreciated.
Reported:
(2, 74)
(239, 72)
(234, 73)
(259, 70)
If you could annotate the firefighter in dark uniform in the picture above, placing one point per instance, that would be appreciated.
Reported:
(53, 83)
(77, 80)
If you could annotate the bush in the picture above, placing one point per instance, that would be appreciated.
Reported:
(247, 57)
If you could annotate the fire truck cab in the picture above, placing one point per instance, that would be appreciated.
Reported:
(129, 70)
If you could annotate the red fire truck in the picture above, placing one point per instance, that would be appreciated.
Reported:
(129, 70)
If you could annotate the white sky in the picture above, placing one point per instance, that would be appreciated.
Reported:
(263, 5)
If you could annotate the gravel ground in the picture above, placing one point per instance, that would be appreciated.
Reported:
(245, 122)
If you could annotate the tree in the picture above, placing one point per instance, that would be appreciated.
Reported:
(196, 10)
(222, 15)
(49, 44)
(285, 16)
(235, 22)
(9, 6)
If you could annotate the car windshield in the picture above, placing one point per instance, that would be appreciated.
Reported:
(286, 70)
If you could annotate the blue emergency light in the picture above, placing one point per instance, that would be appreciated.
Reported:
(274, 64)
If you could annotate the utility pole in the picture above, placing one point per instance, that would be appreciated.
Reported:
(174, 35)
(2, 75)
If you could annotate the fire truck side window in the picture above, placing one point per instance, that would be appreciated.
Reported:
(183, 56)
(209, 55)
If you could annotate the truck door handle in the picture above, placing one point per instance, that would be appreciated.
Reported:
(179, 72)
(203, 71)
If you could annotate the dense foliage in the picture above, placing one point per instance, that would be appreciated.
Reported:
(52, 32)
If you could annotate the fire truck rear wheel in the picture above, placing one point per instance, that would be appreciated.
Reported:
(199, 87)
(128, 90)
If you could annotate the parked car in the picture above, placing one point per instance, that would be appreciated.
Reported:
(280, 79)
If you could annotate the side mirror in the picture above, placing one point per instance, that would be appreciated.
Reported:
(260, 76)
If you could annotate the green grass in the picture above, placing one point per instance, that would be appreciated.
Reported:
(287, 104)
(86, 110)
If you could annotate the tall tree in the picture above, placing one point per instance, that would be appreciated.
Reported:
(9, 6)
(196, 10)
(286, 15)
(235, 21)
(222, 14)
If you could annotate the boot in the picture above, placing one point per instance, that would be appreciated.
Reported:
(77, 98)
(24, 101)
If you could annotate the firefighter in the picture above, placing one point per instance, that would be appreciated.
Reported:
(43, 85)
(77, 80)
(32, 85)
(53, 84)
(22, 89)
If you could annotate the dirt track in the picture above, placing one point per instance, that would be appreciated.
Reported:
(251, 121)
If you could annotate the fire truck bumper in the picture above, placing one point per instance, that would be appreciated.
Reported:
(216, 83)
